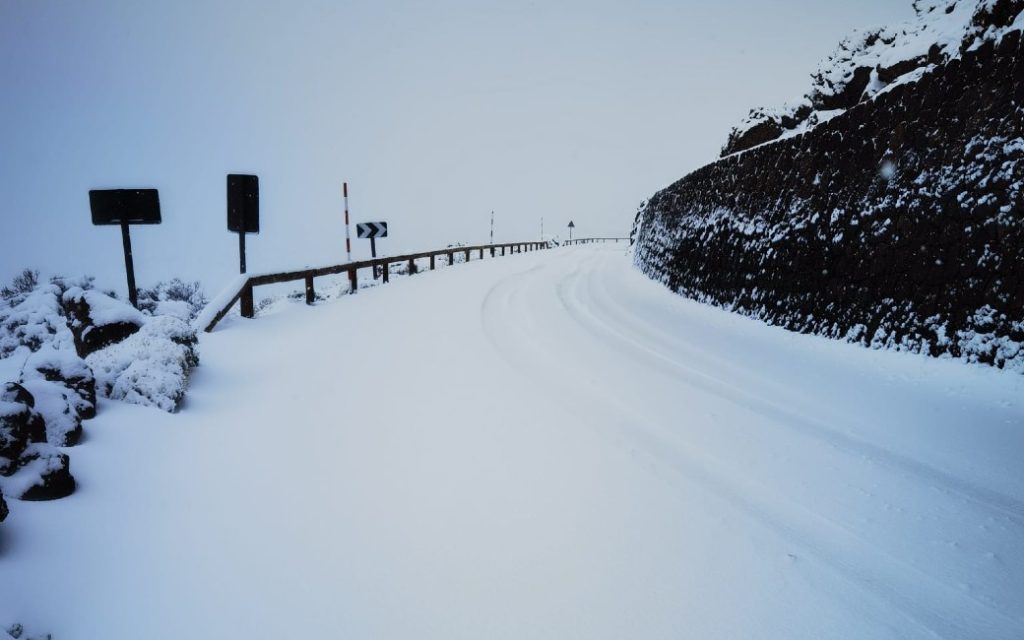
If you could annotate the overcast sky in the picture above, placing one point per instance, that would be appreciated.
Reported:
(434, 112)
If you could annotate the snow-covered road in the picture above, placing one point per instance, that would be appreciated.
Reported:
(541, 446)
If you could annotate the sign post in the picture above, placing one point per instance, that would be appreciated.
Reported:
(125, 207)
(243, 218)
(571, 227)
(348, 240)
(372, 230)
(243, 210)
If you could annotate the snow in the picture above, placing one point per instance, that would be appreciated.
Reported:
(218, 302)
(548, 445)
(150, 367)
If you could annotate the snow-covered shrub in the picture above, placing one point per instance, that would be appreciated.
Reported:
(151, 367)
(98, 320)
(36, 319)
(20, 286)
(173, 298)
(17, 632)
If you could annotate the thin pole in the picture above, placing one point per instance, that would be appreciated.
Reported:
(241, 252)
(542, 228)
(348, 237)
(373, 253)
(492, 226)
(129, 265)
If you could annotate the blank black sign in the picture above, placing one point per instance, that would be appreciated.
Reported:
(243, 203)
(134, 206)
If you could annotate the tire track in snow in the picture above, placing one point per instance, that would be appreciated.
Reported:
(935, 608)
(631, 346)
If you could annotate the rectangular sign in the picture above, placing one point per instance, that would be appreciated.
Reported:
(372, 229)
(243, 203)
(134, 206)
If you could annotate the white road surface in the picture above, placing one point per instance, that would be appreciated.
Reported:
(546, 445)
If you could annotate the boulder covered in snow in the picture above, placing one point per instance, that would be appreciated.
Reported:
(151, 367)
(64, 390)
(30, 468)
(98, 320)
(44, 474)
(20, 426)
(3, 508)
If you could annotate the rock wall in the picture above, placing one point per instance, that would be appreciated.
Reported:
(899, 223)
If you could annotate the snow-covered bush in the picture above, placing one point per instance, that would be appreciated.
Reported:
(36, 319)
(151, 367)
(20, 286)
(173, 297)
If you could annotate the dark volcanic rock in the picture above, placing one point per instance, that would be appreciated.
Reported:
(97, 320)
(51, 473)
(20, 425)
(65, 392)
(899, 223)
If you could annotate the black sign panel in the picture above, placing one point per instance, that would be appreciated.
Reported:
(115, 206)
(243, 203)
(372, 230)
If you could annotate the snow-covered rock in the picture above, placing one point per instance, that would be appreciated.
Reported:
(44, 474)
(151, 367)
(20, 425)
(30, 467)
(98, 320)
(3, 508)
(63, 366)
(871, 61)
(17, 632)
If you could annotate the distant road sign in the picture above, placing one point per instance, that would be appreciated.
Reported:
(371, 230)
(124, 206)
(243, 203)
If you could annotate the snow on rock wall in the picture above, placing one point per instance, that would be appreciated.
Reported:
(898, 223)
(872, 61)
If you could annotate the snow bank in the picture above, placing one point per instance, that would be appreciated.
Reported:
(874, 60)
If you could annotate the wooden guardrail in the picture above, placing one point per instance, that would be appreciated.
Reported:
(593, 240)
(244, 296)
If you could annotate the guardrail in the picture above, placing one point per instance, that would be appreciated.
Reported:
(593, 240)
(244, 296)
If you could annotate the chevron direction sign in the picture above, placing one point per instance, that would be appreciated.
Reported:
(371, 230)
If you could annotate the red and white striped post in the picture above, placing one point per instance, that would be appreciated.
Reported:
(348, 237)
